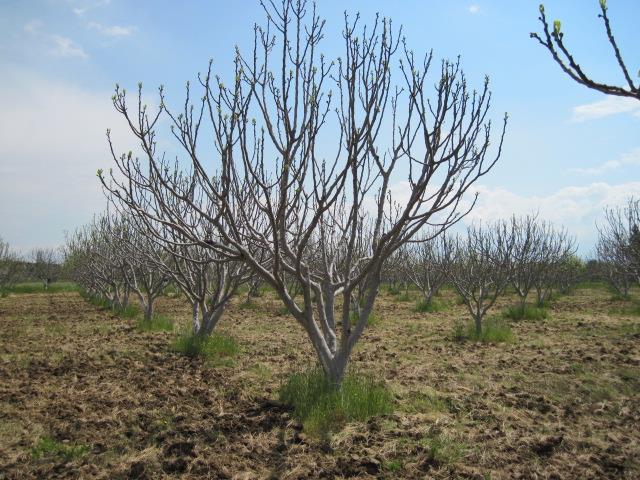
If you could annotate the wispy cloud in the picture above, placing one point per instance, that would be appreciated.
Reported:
(473, 8)
(114, 31)
(57, 45)
(611, 105)
(627, 159)
(65, 47)
(81, 7)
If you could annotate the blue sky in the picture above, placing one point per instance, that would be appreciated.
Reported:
(568, 151)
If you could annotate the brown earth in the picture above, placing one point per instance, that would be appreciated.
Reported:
(561, 401)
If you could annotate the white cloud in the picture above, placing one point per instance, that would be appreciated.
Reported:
(52, 141)
(65, 47)
(81, 7)
(611, 105)
(57, 45)
(473, 8)
(113, 30)
(627, 159)
(575, 207)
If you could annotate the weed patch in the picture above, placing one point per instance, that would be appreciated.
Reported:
(323, 408)
(442, 450)
(431, 306)
(48, 447)
(372, 321)
(404, 297)
(494, 330)
(250, 305)
(159, 323)
(217, 348)
(528, 312)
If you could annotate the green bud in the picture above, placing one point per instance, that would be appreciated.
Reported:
(541, 8)
(556, 26)
(99, 173)
(603, 4)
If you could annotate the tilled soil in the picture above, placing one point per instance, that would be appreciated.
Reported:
(561, 401)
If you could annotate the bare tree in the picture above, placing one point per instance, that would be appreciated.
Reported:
(526, 256)
(9, 265)
(540, 258)
(556, 247)
(45, 265)
(95, 254)
(618, 247)
(207, 279)
(429, 265)
(553, 41)
(395, 270)
(140, 273)
(570, 271)
(278, 195)
(481, 268)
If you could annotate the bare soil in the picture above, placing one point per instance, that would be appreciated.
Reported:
(561, 401)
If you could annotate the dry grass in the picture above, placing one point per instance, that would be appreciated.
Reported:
(561, 401)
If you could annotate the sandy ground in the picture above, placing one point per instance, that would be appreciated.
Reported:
(561, 401)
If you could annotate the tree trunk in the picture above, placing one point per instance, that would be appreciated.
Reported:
(428, 296)
(148, 309)
(210, 321)
(195, 319)
(478, 323)
(336, 370)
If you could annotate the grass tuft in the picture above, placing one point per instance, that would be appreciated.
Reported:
(48, 447)
(529, 312)
(159, 323)
(130, 311)
(394, 465)
(404, 297)
(394, 290)
(443, 450)
(431, 306)
(372, 321)
(250, 305)
(494, 330)
(323, 408)
(218, 348)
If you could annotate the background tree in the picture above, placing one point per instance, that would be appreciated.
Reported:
(553, 41)
(527, 254)
(618, 249)
(45, 265)
(481, 267)
(556, 248)
(9, 266)
(429, 263)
